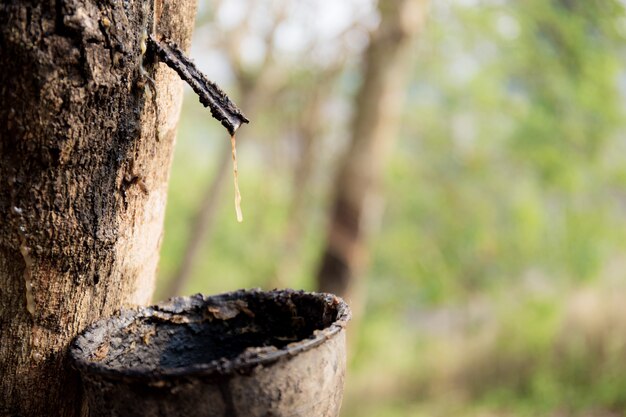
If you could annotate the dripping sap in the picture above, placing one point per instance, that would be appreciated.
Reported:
(236, 180)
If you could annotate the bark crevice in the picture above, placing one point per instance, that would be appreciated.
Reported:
(73, 127)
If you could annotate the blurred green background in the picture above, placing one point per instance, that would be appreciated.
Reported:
(495, 284)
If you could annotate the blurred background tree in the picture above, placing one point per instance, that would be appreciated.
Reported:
(356, 206)
(496, 275)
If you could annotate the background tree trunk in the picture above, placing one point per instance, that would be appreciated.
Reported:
(356, 205)
(85, 150)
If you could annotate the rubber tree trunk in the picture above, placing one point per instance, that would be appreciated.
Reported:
(378, 105)
(85, 148)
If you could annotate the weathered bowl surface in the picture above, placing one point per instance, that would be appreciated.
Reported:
(245, 354)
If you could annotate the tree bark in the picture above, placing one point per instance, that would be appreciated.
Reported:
(86, 141)
(356, 204)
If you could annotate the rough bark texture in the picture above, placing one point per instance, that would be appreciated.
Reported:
(85, 148)
(356, 204)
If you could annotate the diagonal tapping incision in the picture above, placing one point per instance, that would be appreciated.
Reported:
(210, 94)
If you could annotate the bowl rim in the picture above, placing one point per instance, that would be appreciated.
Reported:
(95, 334)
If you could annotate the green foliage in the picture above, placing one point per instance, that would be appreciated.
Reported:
(505, 172)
